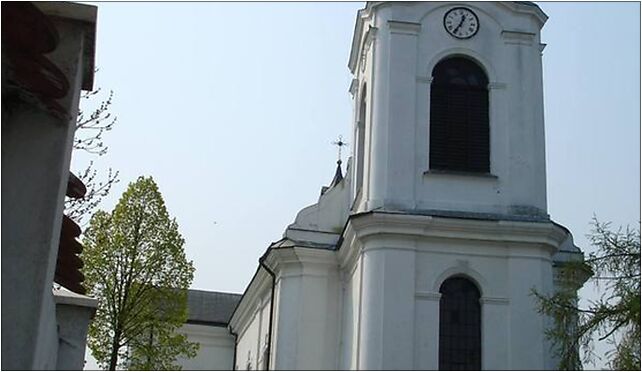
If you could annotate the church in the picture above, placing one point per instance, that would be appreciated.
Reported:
(424, 253)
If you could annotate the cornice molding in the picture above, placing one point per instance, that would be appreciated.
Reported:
(246, 310)
(533, 10)
(365, 226)
(369, 39)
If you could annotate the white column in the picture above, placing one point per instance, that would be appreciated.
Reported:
(387, 324)
(394, 121)
(495, 333)
(427, 336)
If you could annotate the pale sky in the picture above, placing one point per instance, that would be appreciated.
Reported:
(232, 108)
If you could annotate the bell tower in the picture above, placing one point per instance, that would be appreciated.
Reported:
(448, 231)
(449, 110)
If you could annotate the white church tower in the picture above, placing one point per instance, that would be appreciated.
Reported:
(425, 255)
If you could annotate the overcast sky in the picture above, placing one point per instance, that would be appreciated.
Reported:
(232, 108)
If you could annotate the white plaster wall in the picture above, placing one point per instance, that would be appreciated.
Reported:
(410, 41)
(307, 321)
(73, 322)
(350, 318)
(216, 350)
(512, 331)
(252, 337)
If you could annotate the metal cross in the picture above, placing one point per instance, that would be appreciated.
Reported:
(340, 143)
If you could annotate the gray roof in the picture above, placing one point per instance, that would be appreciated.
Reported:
(214, 308)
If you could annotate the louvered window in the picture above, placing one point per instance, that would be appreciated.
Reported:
(459, 131)
(459, 326)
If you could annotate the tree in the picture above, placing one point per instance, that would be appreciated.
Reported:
(89, 138)
(136, 266)
(615, 316)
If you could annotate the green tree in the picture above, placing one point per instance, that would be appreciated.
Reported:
(615, 316)
(136, 266)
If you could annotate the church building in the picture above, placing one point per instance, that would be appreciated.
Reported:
(424, 255)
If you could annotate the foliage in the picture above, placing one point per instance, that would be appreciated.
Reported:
(615, 316)
(136, 266)
(90, 129)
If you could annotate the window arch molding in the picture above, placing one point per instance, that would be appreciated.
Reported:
(462, 53)
(462, 271)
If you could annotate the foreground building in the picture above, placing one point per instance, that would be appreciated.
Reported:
(47, 59)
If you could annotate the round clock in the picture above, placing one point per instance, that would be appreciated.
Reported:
(461, 23)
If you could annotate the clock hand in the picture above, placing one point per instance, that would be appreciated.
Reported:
(461, 22)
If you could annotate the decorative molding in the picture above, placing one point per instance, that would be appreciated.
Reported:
(404, 28)
(366, 225)
(521, 7)
(433, 296)
(368, 39)
(460, 51)
(518, 37)
(462, 268)
(425, 79)
(259, 287)
(354, 85)
(494, 300)
(496, 85)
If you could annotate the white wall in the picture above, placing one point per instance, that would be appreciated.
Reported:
(252, 336)
(350, 317)
(307, 320)
(216, 351)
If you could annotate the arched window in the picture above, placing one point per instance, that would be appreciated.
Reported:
(459, 139)
(459, 325)
(360, 140)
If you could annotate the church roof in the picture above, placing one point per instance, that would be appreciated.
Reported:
(211, 308)
(338, 176)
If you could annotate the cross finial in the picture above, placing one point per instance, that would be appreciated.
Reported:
(340, 143)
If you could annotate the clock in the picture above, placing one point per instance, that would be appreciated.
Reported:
(461, 23)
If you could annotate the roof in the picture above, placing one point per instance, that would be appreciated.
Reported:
(212, 308)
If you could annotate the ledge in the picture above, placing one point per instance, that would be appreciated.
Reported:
(431, 172)
(65, 297)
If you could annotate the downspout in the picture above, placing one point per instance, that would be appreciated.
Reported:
(236, 337)
(271, 273)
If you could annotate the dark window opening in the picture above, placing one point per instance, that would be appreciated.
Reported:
(459, 326)
(459, 129)
(360, 142)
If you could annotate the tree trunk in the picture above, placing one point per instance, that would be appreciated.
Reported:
(113, 360)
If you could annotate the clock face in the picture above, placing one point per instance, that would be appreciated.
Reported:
(461, 23)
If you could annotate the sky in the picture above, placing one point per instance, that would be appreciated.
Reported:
(232, 108)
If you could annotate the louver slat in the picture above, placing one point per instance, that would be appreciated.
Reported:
(459, 139)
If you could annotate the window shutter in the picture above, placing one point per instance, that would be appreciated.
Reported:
(459, 130)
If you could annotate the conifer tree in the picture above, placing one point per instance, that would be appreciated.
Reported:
(614, 267)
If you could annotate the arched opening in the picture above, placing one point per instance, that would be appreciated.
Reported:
(459, 325)
(360, 140)
(459, 128)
